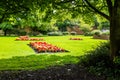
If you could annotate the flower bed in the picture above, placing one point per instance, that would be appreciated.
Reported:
(76, 39)
(26, 38)
(45, 47)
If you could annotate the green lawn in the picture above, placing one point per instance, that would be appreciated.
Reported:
(17, 55)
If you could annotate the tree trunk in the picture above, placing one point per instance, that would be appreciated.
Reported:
(115, 32)
(5, 32)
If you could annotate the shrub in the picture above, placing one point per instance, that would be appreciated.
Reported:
(106, 33)
(98, 62)
(88, 34)
(73, 33)
(117, 67)
(33, 33)
(95, 56)
(22, 33)
(30, 34)
(85, 28)
(65, 33)
(76, 39)
(54, 34)
(96, 32)
(117, 60)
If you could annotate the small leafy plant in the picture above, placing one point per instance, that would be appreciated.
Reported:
(99, 63)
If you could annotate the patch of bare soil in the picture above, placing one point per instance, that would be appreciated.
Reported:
(67, 72)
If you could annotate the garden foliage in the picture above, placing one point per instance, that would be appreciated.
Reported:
(99, 63)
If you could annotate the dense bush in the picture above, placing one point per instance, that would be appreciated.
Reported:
(99, 54)
(117, 67)
(96, 32)
(65, 33)
(54, 34)
(98, 62)
(88, 34)
(73, 33)
(33, 33)
(106, 32)
(22, 33)
(85, 28)
(17, 32)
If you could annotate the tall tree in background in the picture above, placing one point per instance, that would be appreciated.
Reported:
(10, 7)
(62, 25)
(6, 26)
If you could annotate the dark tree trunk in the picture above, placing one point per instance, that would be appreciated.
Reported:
(115, 31)
(5, 32)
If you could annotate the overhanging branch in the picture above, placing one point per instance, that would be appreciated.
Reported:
(96, 10)
(62, 2)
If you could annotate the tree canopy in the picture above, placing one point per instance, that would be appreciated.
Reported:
(109, 9)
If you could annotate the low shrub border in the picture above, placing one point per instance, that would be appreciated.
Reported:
(104, 37)
(76, 39)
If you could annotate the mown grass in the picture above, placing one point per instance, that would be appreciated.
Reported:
(17, 55)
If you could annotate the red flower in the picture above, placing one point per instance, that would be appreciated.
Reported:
(45, 47)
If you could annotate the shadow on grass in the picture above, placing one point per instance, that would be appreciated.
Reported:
(34, 62)
(44, 67)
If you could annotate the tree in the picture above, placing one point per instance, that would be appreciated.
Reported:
(96, 23)
(6, 26)
(109, 9)
(10, 8)
(62, 25)
(104, 25)
(113, 7)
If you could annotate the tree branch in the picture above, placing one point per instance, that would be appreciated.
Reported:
(96, 10)
(62, 2)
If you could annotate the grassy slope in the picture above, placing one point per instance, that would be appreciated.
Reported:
(27, 59)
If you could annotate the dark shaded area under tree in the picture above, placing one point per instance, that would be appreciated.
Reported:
(67, 72)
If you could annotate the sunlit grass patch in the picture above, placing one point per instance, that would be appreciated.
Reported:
(17, 55)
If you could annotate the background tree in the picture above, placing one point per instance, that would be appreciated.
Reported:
(6, 26)
(105, 25)
(10, 8)
(96, 23)
(62, 25)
